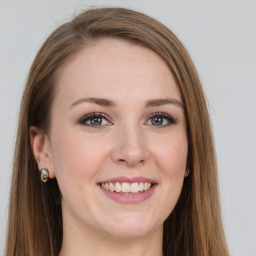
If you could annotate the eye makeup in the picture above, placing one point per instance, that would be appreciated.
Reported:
(160, 120)
(99, 120)
(94, 119)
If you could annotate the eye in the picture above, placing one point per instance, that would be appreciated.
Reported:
(94, 120)
(160, 120)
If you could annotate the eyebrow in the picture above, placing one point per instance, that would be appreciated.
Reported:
(109, 103)
(160, 102)
(98, 101)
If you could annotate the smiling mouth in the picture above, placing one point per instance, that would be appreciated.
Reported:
(126, 188)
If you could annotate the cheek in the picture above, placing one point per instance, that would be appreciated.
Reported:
(75, 158)
(173, 171)
(171, 157)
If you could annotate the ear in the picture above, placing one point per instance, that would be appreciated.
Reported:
(41, 149)
(187, 172)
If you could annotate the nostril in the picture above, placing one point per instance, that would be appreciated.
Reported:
(131, 162)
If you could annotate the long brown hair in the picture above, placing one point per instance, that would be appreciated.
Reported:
(35, 220)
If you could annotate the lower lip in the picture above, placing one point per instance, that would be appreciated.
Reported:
(131, 198)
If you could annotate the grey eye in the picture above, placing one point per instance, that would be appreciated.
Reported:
(157, 120)
(160, 120)
(95, 121)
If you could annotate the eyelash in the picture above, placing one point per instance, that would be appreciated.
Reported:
(89, 117)
(170, 119)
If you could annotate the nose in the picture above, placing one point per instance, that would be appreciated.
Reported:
(130, 148)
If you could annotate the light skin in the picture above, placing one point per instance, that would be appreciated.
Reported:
(139, 131)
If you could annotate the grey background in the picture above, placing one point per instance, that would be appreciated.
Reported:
(221, 38)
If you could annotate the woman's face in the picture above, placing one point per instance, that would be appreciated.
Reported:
(118, 142)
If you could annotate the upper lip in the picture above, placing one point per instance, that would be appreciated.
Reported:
(128, 179)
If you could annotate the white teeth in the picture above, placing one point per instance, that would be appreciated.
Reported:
(125, 187)
(118, 187)
(111, 187)
(135, 187)
(141, 186)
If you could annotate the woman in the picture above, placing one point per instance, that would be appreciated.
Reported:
(114, 152)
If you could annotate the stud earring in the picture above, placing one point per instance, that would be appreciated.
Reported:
(188, 172)
(44, 174)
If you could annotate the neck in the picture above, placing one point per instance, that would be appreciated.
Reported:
(82, 242)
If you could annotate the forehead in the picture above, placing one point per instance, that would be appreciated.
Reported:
(117, 68)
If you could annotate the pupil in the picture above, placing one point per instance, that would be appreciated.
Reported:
(157, 120)
(96, 121)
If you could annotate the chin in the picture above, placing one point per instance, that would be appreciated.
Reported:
(129, 234)
(132, 227)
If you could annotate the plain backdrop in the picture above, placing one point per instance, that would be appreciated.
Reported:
(221, 38)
